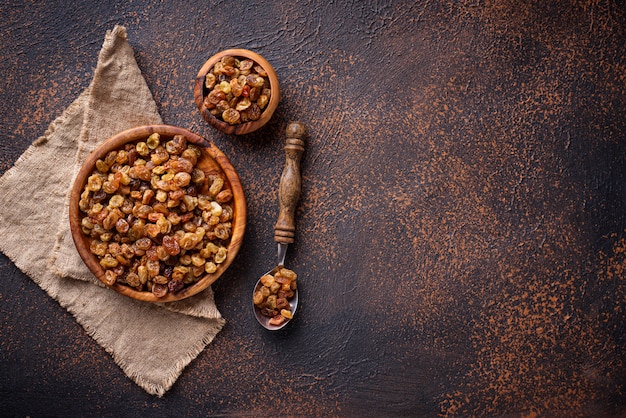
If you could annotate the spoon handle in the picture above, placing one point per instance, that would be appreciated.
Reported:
(290, 184)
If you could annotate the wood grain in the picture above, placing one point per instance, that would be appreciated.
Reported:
(290, 186)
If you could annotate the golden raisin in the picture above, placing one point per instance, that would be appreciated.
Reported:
(176, 145)
(110, 277)
(260, 71)
(210, 267)
(262, 101)
(216, 96)
(228, 60)
(153, 141)
(255, 80)
(216, 186)
(122, 226)
(224, 196)
(209, 81)
(246, 65)
(171, 245)
(258, 298)
(142, 149)
(220, 256)
(231, 116)
(243, 104)
(108, 261)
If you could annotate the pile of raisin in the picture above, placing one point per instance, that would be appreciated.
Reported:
(156, 221)
(273, 294)
(237, 90)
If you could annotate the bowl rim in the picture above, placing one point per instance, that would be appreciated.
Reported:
(240, 128)
(136, 134)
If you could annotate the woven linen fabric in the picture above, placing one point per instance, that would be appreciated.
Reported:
(151, 342)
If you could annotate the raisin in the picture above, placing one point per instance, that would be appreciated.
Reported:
(167, 271)
(175, 285)
(254, 112)
(159, 290)
(277, 320)
(99, 196)
(228, 60)
(176, 145)
(122, 226)
(182, 165)
(216, 96)
(246, 65)
(224, 196)
(170, 243)
(255, 92)
(132, 156)
(231, 116)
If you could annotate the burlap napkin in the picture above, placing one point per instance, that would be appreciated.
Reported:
(152, 343)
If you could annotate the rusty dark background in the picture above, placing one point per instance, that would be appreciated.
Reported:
(461, 234)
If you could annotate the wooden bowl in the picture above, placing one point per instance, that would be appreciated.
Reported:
(212, 160)
(200, 92)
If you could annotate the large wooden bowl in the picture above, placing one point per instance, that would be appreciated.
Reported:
(200, 92)
(211, 160)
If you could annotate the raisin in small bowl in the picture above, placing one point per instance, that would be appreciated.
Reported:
(237, 91)
(157, 213)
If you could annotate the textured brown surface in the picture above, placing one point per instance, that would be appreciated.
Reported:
(461, 236)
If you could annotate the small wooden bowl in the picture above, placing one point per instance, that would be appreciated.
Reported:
(200, 92)
(212, 160)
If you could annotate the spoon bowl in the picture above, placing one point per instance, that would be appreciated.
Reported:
(293, 301)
